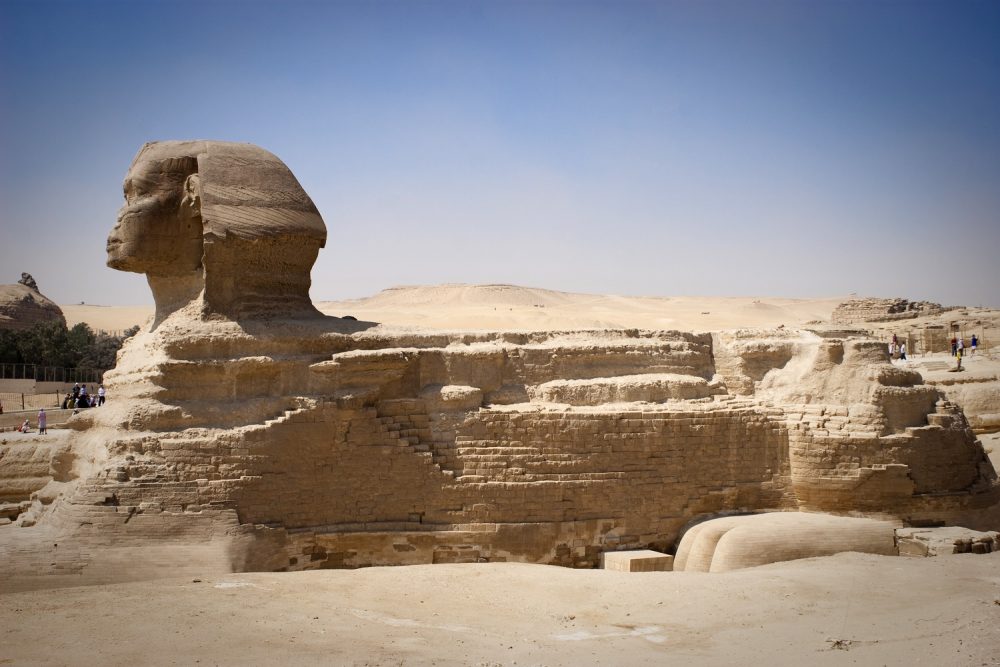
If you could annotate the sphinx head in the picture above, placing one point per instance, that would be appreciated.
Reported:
(223, 223)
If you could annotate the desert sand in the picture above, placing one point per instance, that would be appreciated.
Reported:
(107, 318)
(510, 307)
(845, 609)
(856, 608)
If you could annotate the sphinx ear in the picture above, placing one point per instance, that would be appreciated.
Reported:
(191, 203)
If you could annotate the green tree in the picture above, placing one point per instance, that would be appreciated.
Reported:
(52, 344)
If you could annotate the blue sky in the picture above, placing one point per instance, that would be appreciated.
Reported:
(643, 148)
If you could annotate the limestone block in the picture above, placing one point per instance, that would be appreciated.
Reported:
(452, 398)
(642, 560)
(946, 540)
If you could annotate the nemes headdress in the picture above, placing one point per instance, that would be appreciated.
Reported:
(261, 231)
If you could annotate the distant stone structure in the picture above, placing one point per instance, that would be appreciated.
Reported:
(882, 310)
(22, 306)
(271, 439)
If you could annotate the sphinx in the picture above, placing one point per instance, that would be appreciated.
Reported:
(223, 225)
(248, 431)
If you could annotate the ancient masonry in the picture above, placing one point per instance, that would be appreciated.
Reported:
(464, 448)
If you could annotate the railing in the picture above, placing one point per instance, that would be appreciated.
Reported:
(12, 402)
(50, 373)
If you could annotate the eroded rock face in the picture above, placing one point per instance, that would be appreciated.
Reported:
(299, 441)
(22, 306)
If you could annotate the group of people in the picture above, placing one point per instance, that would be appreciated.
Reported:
(958, 346)
(81, 397)
(897, 349)
(42, 423)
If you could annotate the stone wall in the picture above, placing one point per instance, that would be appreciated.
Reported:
(297, 448)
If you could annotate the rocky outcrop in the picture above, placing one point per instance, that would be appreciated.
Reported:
(22, 306)
(882, 310)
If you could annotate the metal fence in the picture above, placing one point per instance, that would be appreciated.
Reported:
(50, 373)
(12, 402)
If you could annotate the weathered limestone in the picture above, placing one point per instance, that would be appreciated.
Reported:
(946, 540)
(641, 560)
(219, 228)
(262, 435)
(22, 306)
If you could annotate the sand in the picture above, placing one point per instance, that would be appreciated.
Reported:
(849, 608)
(113, 319)
(510, 307)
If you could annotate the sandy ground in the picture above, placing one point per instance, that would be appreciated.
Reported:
(850, 608)
(510, 307)
(107, 318)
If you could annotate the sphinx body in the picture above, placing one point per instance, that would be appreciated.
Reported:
(250, 432)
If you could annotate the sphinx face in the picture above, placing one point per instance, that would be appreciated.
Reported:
(157, 232)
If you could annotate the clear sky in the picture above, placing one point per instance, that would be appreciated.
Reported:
(641, 148)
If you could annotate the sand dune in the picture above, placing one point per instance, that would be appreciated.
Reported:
(107, 318)
(512, 307)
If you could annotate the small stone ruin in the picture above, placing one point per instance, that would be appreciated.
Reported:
(883, 310)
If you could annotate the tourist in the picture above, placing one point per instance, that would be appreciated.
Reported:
(902, 352)
(76, 389)
(25, 427)
(961, 345)
(958, 357)
(100, 395)
(68, 401)
(974, 342)
(42, 419)
(954, 345)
